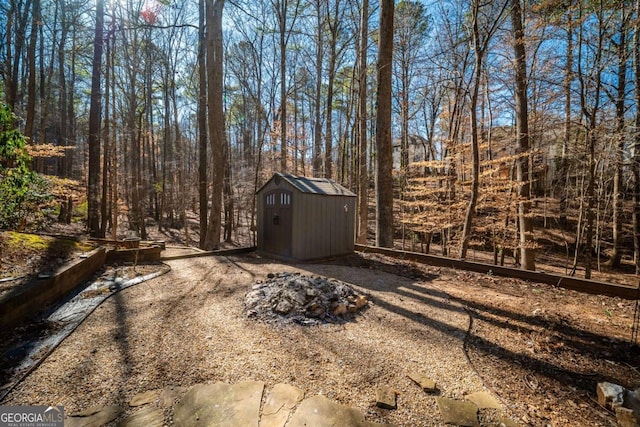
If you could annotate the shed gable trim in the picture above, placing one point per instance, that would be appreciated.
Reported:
(321, 186)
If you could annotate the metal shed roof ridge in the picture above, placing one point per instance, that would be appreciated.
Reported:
(323, 186)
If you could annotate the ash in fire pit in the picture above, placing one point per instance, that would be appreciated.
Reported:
(307, 300)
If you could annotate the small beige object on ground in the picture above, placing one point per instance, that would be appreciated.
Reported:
(458, 412)
(386, 398)
(426, 383)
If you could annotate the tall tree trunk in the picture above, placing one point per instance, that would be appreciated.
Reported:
(202, 125)
(216, 118)
(480, 49)
(62, 81)
(563, 173)
(95, 113)
(317, 127)
(590, 113)
(16, 27)
(334, 28)
(31, 61)
(384, 155)
(475, 155)
(180, 158)
(363, 174)
(636, 144)
(328, 138)
(104, 203)
(527, 251)
(71, 112)
(228, 195)
(618, 195)
(282, 20)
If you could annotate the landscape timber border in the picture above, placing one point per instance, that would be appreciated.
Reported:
(219, 252)
(27, 302)
(581, 285)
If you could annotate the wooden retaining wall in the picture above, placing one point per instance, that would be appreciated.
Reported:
(574, 283)
(25, 302)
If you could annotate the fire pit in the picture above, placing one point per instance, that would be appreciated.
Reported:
(306, 300)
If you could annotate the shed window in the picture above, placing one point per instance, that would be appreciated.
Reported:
(285, 199)
(271, 199)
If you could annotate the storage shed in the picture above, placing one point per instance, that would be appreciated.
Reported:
(305, 218)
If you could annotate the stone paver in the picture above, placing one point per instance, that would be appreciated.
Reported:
(458, 412)
(426, 383)
(220, 405)
(386, 398)
(279, 404)
(484, 400)
(145, 417)
(318, 411)
(94, 417)
(144, 398)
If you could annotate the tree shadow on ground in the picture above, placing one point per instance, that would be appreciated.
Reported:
(603, 351)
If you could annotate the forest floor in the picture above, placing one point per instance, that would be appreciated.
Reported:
(541, 350)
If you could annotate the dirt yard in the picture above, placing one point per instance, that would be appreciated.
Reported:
(540, 350)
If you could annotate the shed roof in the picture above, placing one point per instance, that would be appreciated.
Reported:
(322, 186)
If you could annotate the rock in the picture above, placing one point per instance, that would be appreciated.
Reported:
(270, 276)
(425, 383)
(284, 306)
(610, 395)
(340, 309)
(278, 406)
(94, 417)
(315, 310)
(627, 417)
(360, 301)
(386, 398)
(145, 417)
(628, 414)
(306, 300)
(484, 400)
(144, 398)
(458, 412)
(318, 411)
(221, 405)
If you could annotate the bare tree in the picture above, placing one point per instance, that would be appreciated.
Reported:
(216, 119)
(95, 114)
(384, 157)
(527, 251)
(480, 43)
(202, 123)
(363, 174)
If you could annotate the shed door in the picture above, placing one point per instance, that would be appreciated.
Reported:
(277, 222)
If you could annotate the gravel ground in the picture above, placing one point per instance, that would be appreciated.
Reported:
(188, 326)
